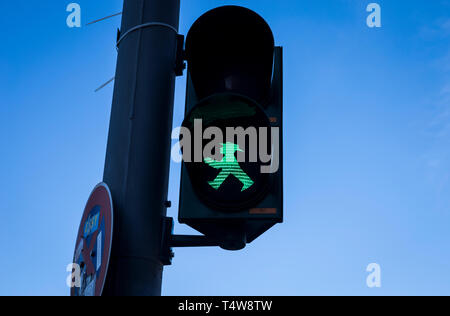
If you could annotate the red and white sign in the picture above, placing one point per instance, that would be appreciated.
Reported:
(94, 240)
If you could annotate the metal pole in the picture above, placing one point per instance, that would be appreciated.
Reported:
(138, 151)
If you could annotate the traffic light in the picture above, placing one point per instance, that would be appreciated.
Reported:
(231, 137)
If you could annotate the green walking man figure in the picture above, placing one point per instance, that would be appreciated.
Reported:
(229, 166)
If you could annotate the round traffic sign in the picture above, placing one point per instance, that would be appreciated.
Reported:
(93, 246)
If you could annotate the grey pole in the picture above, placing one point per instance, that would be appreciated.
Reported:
(138, 151)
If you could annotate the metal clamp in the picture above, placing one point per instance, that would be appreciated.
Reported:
(169, 240)
(137, 27)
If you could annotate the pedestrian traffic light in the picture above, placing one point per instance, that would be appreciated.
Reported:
(231, 137)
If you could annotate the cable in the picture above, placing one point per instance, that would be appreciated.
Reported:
(105, 84)
(143, 26)
(109, 16)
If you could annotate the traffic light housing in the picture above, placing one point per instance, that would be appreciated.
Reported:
(234, 82)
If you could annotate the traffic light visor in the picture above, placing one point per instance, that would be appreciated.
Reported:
(230, 49)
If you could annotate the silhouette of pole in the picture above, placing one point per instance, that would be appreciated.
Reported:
(138, 150)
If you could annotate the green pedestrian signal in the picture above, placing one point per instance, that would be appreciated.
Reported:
(229, 166)
(226, 177)
(231, 138)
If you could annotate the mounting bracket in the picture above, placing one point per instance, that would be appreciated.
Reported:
(180, 65)
(170, 241)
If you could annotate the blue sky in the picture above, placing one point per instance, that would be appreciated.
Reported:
(367, 149)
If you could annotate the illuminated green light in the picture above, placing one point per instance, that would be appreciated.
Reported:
(229, 166)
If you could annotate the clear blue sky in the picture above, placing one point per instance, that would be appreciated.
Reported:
(367, 149)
